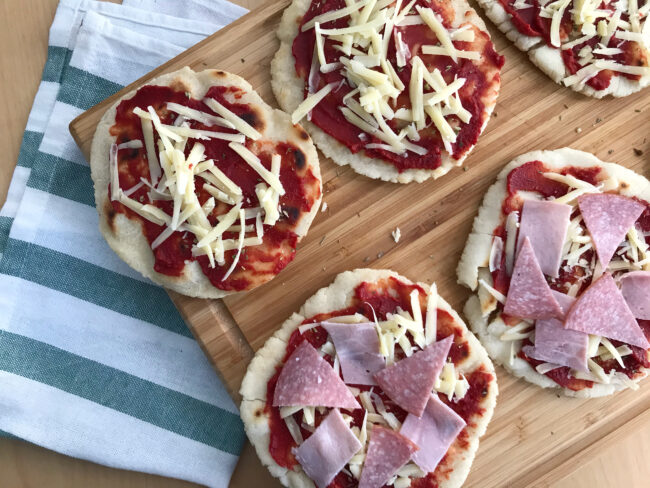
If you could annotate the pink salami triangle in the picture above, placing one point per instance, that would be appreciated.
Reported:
(308, 380)
(529, 296)
(388, 451)
(409, 381)
(601, 310)
(608, 217)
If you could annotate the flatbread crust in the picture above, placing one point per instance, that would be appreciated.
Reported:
(549, 59)
(475, 258)
(288, 88)
(336, 296)
(125, 236)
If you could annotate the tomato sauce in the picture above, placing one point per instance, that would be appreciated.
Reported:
(529, 177)
(480, 83)
(529, 23)
(257, 263)
(384, 297)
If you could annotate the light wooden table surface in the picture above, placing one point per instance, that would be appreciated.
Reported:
(619, 460)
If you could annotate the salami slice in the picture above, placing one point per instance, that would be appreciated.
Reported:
(357, 346)
(388, 451)
(545, 224)
(557, 345)
(433, 433)
(327, 450)
(635, 287)
(608, 217)
(308, 380)
(409, 381)
(601, 310)
(529, 296)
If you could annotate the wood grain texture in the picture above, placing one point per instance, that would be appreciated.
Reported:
(549, 437)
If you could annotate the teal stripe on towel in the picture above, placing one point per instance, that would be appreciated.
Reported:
(83, 90)
(115, 389)
(63, 178)
(92, 283)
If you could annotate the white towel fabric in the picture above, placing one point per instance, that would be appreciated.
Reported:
(95, 362)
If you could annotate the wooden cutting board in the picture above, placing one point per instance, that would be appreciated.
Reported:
(535, 437)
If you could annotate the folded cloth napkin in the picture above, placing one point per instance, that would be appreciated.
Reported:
(95, 361)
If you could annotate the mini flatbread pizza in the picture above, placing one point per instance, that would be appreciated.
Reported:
(398, 90)
(376, 381)
(201, 186)
(559, 261)
(595, 47)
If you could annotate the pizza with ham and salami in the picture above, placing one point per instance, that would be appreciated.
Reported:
(375, 382)
(200, 185)
(398, 90)
(559, 260)
(596, 47)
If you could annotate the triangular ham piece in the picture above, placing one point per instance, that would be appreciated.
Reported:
(388, 451)
(529, 296)
(433, 433)
(308, 380)
(608, 217)
(557, 345)
(601, 310)
(357, 347)
(635, 287)
(327, 450)
(409, 381)
(545, 224)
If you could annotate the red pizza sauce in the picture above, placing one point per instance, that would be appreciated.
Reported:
(529, 177)
(383, 297)
(257, 264)
(481, 85)
(529, 23)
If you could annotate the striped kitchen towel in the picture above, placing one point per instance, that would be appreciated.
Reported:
(95, 361)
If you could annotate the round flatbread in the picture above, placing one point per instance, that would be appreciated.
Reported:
(570, 179)
(354, 297)
(595, 53)
(179, 163)
(410, 116)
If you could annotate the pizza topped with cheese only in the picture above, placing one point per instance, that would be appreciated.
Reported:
(375, 382)
(595, 47)
(398, 90)
(201, 186)
(559, 258)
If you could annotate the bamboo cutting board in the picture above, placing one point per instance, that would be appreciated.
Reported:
(535, 438)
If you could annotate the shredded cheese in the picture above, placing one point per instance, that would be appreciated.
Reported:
(500, 297)
(431, 326)
(240, 124)
(512, 224)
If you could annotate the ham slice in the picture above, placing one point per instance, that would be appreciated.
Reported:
(433, 433)
(357, 347)
(601, 310)
(545, 224)
(635, 287)
(557, 345)
(529, 296)
(608, 217)
(388, 451)
(327, 450)
(409, 381)
(308, 380)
